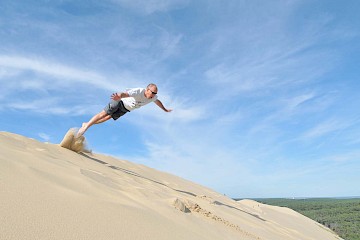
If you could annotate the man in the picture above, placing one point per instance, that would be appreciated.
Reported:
(124, 102)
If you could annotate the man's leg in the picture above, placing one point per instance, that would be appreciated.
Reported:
(104, 119)
(98, 118)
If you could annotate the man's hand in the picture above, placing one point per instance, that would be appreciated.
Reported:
(115, 97)
(119, 95)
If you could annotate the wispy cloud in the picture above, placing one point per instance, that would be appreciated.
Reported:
(266, 56)
(296, 101)
(268, 72)
(324, 128)
(38, 85)
(151, 6)
(344, 158)
(52, 106)
(44, 136)
(58, 71)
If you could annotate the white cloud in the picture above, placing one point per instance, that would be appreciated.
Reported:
(188, 114)
(42, 86)
(257, 56)
(58, 71)
(53, 106)
(152, 6)
(296, 101)
(169, 44)
(267, 74)
(343, 158)
(44, 136)
(194, 158)
(8, 72)
(326, 127)
(287, 108)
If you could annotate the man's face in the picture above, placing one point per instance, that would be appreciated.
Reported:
(151, 92)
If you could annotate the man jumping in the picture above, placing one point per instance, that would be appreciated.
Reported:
(124, 102)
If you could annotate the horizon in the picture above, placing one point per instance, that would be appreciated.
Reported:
(264, 95)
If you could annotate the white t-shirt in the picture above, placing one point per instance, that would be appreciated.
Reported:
(137, 98)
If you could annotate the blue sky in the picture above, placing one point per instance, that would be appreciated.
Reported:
(265, 94)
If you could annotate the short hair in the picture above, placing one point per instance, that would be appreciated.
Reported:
(151, 85)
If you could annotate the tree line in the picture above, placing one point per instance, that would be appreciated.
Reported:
(340, 215)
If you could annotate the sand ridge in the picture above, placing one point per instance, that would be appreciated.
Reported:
(49, 192)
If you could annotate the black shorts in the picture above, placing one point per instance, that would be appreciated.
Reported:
(115, 109)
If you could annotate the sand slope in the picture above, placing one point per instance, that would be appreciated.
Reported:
(48, 192)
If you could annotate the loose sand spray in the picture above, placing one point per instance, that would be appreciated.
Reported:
(73, 143)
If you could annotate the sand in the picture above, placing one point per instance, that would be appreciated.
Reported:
(49, 192)
(74, 143)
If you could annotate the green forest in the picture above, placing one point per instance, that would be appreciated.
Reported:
(340, 215)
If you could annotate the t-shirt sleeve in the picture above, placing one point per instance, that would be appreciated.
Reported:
(133, 91)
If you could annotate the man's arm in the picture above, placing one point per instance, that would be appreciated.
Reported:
(159, 103)
(118, 96)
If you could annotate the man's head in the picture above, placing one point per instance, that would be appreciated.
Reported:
(151, 91)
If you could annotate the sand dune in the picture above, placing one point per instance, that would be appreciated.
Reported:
(48, 192)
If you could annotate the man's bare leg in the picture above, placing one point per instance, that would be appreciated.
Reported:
(98, 118)
(104, 119)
